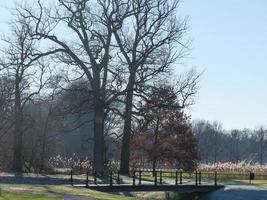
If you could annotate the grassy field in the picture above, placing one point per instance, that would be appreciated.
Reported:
(50, 192)
(20, 187)
(23, 196)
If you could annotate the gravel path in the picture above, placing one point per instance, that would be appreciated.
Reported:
(239, 192)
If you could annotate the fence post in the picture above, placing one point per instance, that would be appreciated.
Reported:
(155, 180)
(118, 177)
(251, 177)
(176, 177)
(133, 178)
(110, 179)
(87, 179)
(199, 178)
(215, 178)
(196, 178)
(181, 177)
(71, 177)
(160, 177)
(140, 177)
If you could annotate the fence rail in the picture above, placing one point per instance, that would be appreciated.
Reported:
(144, 177)
(162, 177)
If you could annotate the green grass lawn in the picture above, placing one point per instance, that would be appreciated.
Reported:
(11, 191)
(51, 192)
(23, 196)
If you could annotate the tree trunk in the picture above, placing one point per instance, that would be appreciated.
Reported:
(215, 149)
(44, 140)
(18, 133)
(154, 165)
(261, 150)
(98, 137)
(17, 156)
(155, 146)
(126, 140)
(237, 153)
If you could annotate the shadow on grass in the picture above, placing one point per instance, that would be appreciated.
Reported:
(20, 179)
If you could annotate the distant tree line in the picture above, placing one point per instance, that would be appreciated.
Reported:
(218, 145)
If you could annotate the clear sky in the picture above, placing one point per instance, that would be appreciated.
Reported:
(230, 44)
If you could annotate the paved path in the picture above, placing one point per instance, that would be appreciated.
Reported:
(239, 192)
(76, 197)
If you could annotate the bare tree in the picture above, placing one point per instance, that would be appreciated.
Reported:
(22, 63)
(234, 148)
(148, 46)
(90, 24)
(147, 38)
(6, 106)
(49, 103)
(261, 132)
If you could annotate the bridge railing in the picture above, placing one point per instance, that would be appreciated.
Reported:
(146, 177)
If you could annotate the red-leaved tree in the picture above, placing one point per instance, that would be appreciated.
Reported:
(164, 136)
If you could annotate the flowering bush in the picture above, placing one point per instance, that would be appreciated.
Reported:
(78, 164)
(242, 166)
(74, 162)
(113, 165)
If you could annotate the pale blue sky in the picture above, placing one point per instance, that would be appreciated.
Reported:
(230, 44)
